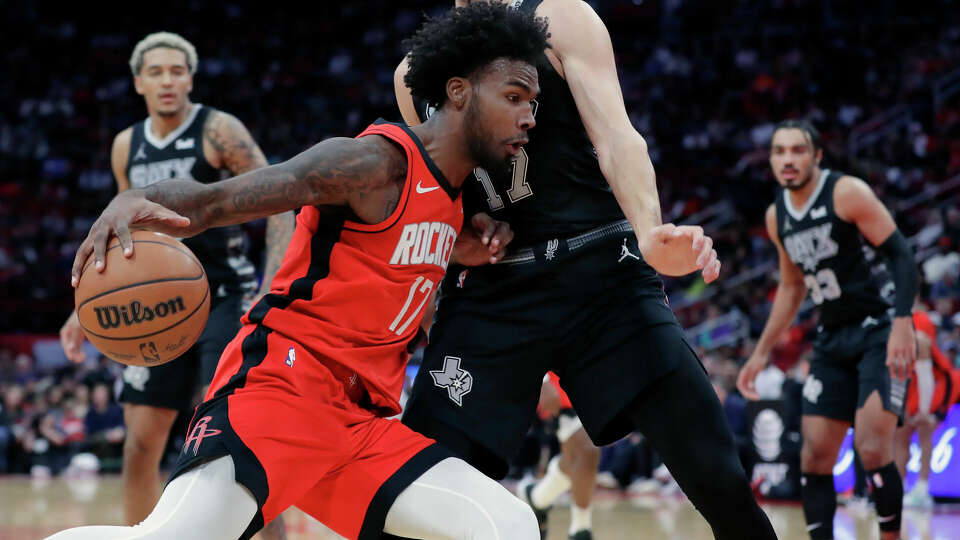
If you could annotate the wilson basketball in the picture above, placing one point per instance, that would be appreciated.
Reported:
(148, 309)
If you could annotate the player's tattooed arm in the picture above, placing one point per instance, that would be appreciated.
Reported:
(364, 174)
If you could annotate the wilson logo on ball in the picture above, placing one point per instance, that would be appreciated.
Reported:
(113, 316)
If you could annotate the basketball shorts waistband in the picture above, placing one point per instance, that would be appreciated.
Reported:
(547, 251)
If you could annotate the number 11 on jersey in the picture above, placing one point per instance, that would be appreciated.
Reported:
(421, 286)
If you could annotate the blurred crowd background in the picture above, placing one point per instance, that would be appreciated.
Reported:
(704, 81)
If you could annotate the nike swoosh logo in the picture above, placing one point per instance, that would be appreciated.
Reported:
(421, 189)
(884, 519)
(813, 526)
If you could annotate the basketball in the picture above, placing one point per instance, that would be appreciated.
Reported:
(148, 309)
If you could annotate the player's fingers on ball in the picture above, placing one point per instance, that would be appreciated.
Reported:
(82, 253)
(126, 241)
(100, 239)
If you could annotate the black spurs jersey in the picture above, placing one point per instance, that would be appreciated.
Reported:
(556, 189)
(222, 250)
(838, 266)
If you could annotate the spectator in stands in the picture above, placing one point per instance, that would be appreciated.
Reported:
(104, 427)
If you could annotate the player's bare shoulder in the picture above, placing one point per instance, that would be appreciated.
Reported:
(571, 21)
(121, 144)
(367, 173)
(120, 157)
(770, 218)
(852, 196)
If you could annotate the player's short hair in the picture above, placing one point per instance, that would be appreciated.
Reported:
(466, 39)
(167, 40)
(805, 126)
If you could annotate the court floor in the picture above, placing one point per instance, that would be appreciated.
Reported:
(33, 508)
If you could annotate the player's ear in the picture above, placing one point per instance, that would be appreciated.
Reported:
(458, 91)
(818, 156)
(190, 85)
(138, 84)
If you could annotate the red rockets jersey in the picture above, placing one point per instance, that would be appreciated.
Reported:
(353, 294)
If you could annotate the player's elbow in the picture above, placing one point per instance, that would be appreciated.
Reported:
(618, 147)
(620, 142)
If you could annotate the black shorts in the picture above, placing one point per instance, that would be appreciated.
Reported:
(174, 384)
(849, 363)
(596, 317)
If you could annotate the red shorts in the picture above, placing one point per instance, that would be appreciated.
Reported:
(299, 437)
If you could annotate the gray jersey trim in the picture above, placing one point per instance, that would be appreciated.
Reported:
(799, 214)
(160, 144)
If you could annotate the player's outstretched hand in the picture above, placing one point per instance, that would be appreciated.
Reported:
(129, 209)
(746, 380)
(901, 348)
(484, 240)
(679, 250)
(72, 338)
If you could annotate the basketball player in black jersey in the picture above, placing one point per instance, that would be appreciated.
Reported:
(578, 293)
(819, 222)
(181, 139)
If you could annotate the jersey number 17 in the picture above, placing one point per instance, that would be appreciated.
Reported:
(519, 188)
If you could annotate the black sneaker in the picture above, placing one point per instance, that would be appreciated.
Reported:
(541, 514)
(582, 534)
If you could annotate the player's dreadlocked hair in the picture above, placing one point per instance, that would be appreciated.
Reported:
(465, 39)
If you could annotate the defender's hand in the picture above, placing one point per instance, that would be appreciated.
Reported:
(746, 380)
(678, 251)
(901, 348)
(129, 208)
(483, 241)
(72, 338)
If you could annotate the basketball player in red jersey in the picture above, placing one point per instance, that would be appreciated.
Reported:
(181, 139)
(295, 413)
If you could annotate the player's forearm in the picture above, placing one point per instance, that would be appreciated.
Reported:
(786, 303)
(628, 169)
(904, 271)
(279, 231)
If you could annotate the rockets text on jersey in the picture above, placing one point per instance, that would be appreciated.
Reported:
(353, 293)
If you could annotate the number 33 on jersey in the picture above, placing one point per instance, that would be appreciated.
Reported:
(356, 292)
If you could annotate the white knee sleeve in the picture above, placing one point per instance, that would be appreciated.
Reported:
(452, 500)
(203, 503)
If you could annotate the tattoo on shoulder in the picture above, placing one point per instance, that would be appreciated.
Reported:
(238, 152)
(356, 170)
